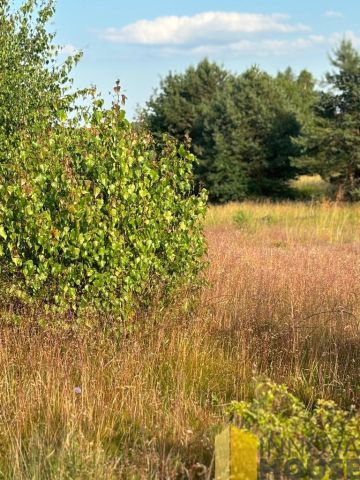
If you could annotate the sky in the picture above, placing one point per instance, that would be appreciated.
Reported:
(140, 41)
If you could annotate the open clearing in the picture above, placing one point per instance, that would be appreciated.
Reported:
(282, 301)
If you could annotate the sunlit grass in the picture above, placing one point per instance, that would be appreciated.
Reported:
(311, 187)
(282, 301)
(293, 221)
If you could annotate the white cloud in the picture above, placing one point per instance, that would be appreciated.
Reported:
(204, 28)
(336, 38)
(254, 47)
(333, 14)
(266, 46)
(68, 50)
(224, 33)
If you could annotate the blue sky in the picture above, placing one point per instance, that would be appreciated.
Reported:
(139, 41)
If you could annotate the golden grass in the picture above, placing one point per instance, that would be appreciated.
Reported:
(295, 223)
(282, 301)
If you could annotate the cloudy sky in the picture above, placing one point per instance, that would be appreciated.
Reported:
(139, 41)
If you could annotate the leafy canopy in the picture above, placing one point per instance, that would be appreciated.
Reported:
(98, 216)
(94, 213)
(34, 84)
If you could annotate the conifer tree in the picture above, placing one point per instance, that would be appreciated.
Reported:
(333, 142)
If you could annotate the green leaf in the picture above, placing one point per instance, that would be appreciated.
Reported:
(3, 233)
(62, 115)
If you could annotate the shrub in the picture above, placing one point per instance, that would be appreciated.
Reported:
(98, 215)
(316, 442)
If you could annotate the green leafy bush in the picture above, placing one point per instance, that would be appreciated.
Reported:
(98, 215)
(300, 442)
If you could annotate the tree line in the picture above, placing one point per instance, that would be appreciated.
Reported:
(253, 133)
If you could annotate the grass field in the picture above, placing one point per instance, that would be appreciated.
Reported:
(282, 301)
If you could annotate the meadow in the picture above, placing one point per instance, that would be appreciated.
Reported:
(281, 301)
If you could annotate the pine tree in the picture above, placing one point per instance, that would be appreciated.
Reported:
(253, 130)
(333, 143)
(241, 127)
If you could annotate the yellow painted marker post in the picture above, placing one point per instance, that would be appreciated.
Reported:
(236, 455)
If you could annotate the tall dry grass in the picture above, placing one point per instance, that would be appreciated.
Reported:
(282, 301)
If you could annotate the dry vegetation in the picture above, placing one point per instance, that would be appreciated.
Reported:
(283, 301)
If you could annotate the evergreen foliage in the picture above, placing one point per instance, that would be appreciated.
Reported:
(332, 144)
(241, 126)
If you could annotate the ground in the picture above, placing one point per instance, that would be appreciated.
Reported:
(282, 301)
